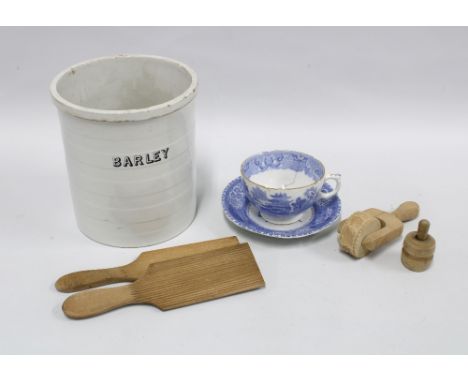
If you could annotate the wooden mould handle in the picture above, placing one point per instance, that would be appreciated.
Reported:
(407, 211)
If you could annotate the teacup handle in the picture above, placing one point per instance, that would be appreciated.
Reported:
(337, 179)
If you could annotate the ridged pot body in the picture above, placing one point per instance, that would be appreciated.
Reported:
(121, 199)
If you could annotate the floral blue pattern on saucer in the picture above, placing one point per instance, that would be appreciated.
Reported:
(242, 213)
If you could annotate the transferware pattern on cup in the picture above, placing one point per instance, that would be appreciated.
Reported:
(285, 204)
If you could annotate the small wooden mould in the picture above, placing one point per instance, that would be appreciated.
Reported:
(418, 248)
(77, 281)
(175, 283)
(365, 231)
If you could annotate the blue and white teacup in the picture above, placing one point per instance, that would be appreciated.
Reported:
(284, 185)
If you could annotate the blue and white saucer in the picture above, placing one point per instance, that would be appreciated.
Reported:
(245, 215)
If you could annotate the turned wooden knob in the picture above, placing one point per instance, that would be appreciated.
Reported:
(418, 248)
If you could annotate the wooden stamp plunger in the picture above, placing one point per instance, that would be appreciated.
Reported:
(418, 248)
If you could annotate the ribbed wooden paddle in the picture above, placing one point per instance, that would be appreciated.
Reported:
(77, 281)
(175, 283)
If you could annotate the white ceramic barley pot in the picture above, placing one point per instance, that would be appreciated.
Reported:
(128, 131)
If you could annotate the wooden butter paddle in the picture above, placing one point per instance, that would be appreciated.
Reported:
(175, 283)
(77, 281)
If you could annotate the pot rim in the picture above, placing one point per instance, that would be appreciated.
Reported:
(124, 115)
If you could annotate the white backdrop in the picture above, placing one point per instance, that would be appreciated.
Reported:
(385, 107)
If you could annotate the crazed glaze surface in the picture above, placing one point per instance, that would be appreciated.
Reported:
(282, 178)
(132, 182)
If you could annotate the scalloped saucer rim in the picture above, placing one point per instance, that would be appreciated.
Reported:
(243, 214)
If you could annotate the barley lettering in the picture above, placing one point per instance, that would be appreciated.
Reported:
(141, 159)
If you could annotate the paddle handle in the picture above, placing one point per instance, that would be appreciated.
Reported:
(81, 280)
(93, 302)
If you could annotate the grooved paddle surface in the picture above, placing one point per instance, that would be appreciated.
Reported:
(201, 277)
